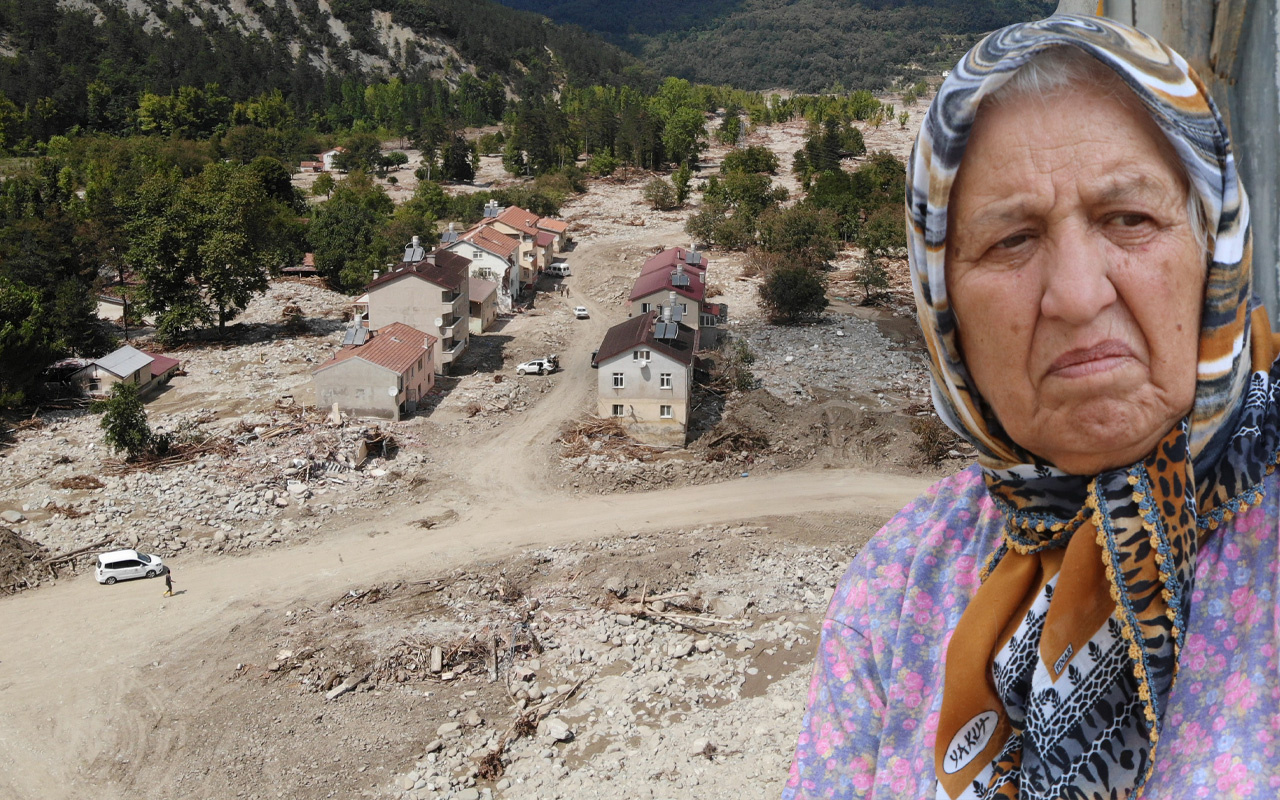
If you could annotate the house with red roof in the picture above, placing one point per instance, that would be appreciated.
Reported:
(684, 272)
(494, 257)
(378, 373)
(645, 376)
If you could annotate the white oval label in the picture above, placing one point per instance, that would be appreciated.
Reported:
(969, 741)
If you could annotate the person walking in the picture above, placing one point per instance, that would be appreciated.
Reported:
(168, 583)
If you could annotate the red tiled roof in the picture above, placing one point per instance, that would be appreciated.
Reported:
(544, 238)
(553, 225)
(480, 290)
(638, 331)
(660, 280)
(518, 218)
(668, 259)
(161, 364)
(496, 242)
(395, 347)
(441, 268)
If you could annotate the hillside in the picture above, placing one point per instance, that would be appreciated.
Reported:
(806, 45)
(85, 63)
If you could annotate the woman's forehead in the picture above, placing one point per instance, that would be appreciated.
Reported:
(1106, 148)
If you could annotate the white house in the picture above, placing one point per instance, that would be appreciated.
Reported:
(645, 377)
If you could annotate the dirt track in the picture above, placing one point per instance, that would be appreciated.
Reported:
(74, 653)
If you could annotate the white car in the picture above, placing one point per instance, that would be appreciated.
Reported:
(539, 366)
(581, 312)
(119, 565)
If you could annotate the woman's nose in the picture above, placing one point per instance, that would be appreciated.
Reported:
(1077, 281)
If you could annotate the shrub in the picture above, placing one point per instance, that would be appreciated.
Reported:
(602, 164)
(792, 293)
(873, 279)
(660, 194)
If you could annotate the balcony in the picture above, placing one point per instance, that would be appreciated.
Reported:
(451, 349)
(450, 328)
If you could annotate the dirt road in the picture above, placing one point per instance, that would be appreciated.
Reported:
(74, 690)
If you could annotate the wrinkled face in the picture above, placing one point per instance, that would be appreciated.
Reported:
(1075, 277)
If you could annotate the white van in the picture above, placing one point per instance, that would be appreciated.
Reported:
(119, 565)
(560, 269)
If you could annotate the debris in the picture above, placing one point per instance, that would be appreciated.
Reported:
(350, 683)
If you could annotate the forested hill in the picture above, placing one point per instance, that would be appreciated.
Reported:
(84, 64)
(806, 45)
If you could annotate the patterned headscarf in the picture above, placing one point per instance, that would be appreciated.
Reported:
(1095, 572)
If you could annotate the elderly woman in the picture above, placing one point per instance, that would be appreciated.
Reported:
(1092, 610)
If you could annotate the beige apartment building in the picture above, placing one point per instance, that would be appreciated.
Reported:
(431, 294)
(645, 377)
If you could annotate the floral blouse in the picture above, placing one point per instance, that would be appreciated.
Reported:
(877, 686)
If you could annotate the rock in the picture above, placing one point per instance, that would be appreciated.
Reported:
(730, 605)
(350, 683)
(615, 586)
(472, 719)
(435, 747)
(703, 645)
(468, 794)
(14, 517)
(680, 649)
(556, 729)
(449, 729)
(522, 673)
(407, 781)
(282, 502)
(437, 660)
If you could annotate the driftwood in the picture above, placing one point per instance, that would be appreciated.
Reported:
(61, 557)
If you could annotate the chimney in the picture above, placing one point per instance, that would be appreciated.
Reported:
(377, 273)
(426, 342)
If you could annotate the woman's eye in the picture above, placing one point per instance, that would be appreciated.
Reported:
(1129, 220)
(1017, 240)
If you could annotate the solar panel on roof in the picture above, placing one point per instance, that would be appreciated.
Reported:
(355, 335)
(679, 279)
(449, 237)
(693, 257)
(412, 254)
(666, 330)
(677, 313)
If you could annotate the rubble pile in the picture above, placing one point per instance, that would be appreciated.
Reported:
(843, 354)
(273, 477)
(646, 665)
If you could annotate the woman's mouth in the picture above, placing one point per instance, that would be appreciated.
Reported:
(1085, 361)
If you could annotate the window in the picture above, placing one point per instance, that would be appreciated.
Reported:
(617, 410)
(641, 355)
(664, 412)
(644, 308)
(476, 255)
(684, 308)
(618, 380)
(664, 380)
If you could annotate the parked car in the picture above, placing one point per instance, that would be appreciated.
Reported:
(539, 366)
(581, 312)
(119, 565)
(559, 269)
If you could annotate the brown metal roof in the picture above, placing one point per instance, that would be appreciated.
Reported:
(638, 332)
(518, 218)
(659, 280)
(479, 290)
(668, 259)
(441, 268)
(554, 225)
(395, 347)
(495, 241)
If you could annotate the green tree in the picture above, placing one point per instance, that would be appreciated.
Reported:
(24, 350)
(124, 422)
(457, 160)
(361, 151)
(792, 293)
(682, 136)
(885, 230)
(206, 245)
(750, 159)
(323, 186)
(872, 277)
(344, 233)
(804, 234)
(680, 180)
